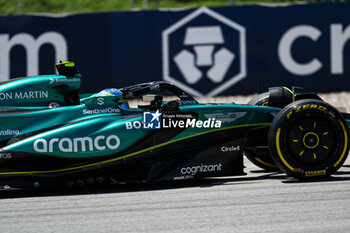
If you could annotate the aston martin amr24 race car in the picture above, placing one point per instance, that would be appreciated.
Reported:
(50, 134)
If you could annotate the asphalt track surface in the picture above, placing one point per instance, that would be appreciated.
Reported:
(258, 202)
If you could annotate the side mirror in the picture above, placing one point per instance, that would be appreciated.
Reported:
(156, 101)
(148, 97)
(152, 97)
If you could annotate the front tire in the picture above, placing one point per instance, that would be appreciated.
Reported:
(308, 140)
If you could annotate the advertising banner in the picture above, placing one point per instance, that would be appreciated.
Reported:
(206, 51)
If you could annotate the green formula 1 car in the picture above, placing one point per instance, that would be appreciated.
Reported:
(50, 134)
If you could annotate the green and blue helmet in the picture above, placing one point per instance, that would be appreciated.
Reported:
(114, 92)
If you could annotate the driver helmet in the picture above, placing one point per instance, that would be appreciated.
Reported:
(117, 94)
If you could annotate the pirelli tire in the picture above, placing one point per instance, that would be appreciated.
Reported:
(308, 140)
(260, 100)
(261, 157)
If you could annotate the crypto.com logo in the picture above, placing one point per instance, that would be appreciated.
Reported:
(32, 47)
(204, 53)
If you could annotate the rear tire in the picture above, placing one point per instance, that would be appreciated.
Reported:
(308, 140)
(261, 157)
(260, 100)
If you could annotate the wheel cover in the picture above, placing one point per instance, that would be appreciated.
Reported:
(311, 140)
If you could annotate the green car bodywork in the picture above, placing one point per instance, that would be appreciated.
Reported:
(49, 131)
(92, 119)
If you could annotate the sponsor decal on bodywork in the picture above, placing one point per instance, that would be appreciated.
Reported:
(5, 155)
(226, 117)
(230, 148)
(63, 80)
(100, 111)
(81, 144)
(54, 105)
(188, 102)
(24, 95)
(100, 101)
(203, 168)
(9, 132)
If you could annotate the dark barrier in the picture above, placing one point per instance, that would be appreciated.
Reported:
(216, 51)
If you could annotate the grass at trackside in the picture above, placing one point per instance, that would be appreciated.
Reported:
(10, 7)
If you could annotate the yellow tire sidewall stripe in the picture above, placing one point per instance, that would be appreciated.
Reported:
(279, 151)
(265, 163)
(345, 144)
